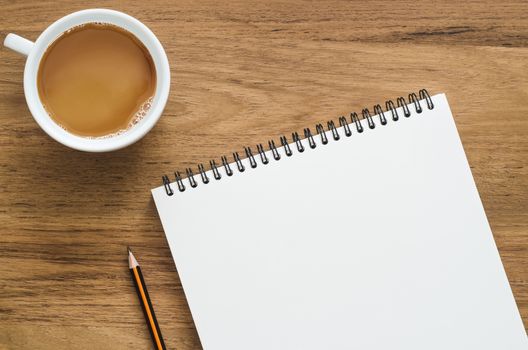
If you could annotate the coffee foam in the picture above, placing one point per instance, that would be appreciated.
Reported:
(138, 116)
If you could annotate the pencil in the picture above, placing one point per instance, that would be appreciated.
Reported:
(144, 300)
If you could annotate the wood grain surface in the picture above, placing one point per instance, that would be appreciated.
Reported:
(242, 72)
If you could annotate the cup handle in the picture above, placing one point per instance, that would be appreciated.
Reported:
(18, 44)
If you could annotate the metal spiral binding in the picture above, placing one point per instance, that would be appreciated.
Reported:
(249, 155)
(355, 119)
(321, 132)
(332, 128)
(308, 135)
(344, 124)
(276, 154)
(379, 111)
(262, 153)
(286, 145)
(413, 99)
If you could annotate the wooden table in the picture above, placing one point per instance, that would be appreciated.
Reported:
(242, 72)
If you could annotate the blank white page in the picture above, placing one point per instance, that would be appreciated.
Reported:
(375, 241)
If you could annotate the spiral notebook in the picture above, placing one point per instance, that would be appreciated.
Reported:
(367, 233)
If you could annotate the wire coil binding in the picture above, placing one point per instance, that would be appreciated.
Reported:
(413, 99)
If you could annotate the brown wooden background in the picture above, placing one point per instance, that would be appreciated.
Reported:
(242, 72)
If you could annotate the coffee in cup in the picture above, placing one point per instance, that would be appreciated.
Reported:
(96, 80)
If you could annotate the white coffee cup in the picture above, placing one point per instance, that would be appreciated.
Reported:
(34, 52)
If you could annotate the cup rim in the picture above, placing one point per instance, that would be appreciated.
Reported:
(103, 144)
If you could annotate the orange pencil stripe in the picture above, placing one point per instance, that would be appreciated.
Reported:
(145, 302)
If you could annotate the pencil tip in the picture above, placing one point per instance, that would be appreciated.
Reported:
(132, 262)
